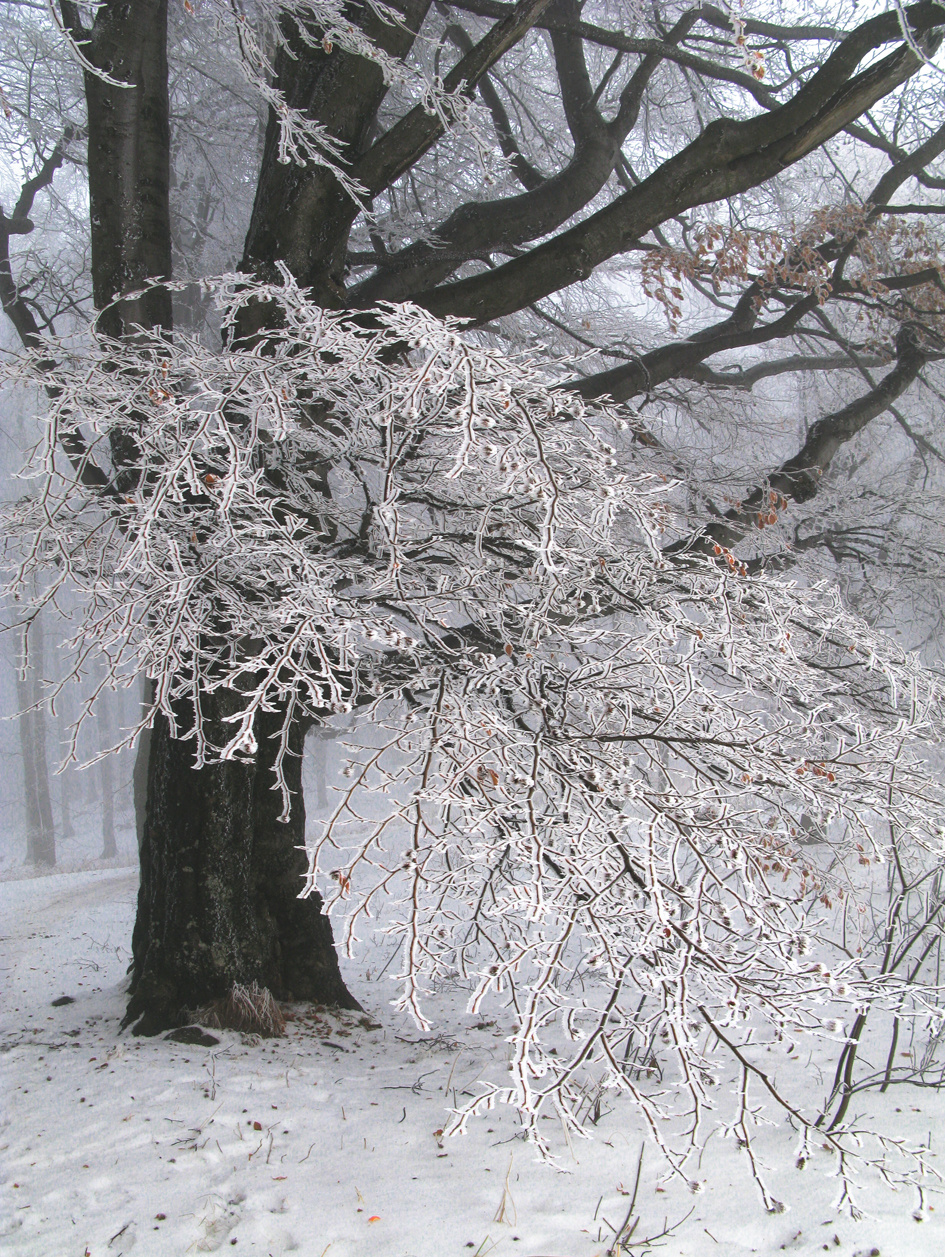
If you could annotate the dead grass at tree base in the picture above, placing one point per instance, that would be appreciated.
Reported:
(250, 1009)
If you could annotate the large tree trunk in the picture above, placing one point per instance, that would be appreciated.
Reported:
(220, 879)
(219, 874)
(129, 162)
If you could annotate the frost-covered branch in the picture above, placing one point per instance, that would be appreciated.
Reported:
(590, 771)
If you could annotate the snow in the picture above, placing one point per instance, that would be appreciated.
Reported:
(326, 1141)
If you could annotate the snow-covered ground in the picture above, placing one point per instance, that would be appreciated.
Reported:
(328, 1141)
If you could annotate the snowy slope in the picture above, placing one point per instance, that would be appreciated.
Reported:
(326, 1142)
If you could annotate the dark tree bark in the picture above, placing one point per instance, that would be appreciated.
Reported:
(303, 963)
(139, 775)
(129, 159)
(220, 878)
(301, 216)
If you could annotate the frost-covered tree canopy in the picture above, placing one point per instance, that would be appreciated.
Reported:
(588, 759)
(449, 437)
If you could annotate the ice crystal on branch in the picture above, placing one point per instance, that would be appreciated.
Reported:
(598, 767)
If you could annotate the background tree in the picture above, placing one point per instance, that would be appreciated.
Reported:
(40, 829)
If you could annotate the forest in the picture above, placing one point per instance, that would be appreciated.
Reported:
(473, 549)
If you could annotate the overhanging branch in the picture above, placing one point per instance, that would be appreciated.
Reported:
(799, 478)
(728, 158)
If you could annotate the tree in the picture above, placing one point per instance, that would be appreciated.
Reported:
(40, 831)
(382, 179)
(191, 941)
(595, 761)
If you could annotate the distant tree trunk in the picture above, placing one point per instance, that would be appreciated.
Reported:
(220, 878)
(66, 779)
(139, 776)
(92, 789)
(320, 742)
(40, 833)
(66, 827)
(106, 777)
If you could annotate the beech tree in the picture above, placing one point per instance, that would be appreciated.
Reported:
(606, 722)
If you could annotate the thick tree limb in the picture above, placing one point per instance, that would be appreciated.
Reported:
(479, 228)
(912, 209)
(748, 377)
(908, 166)
(409, 138)
(683, 358)
(799, 478)
(128, 118)
(727, 158)
(893, 151)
